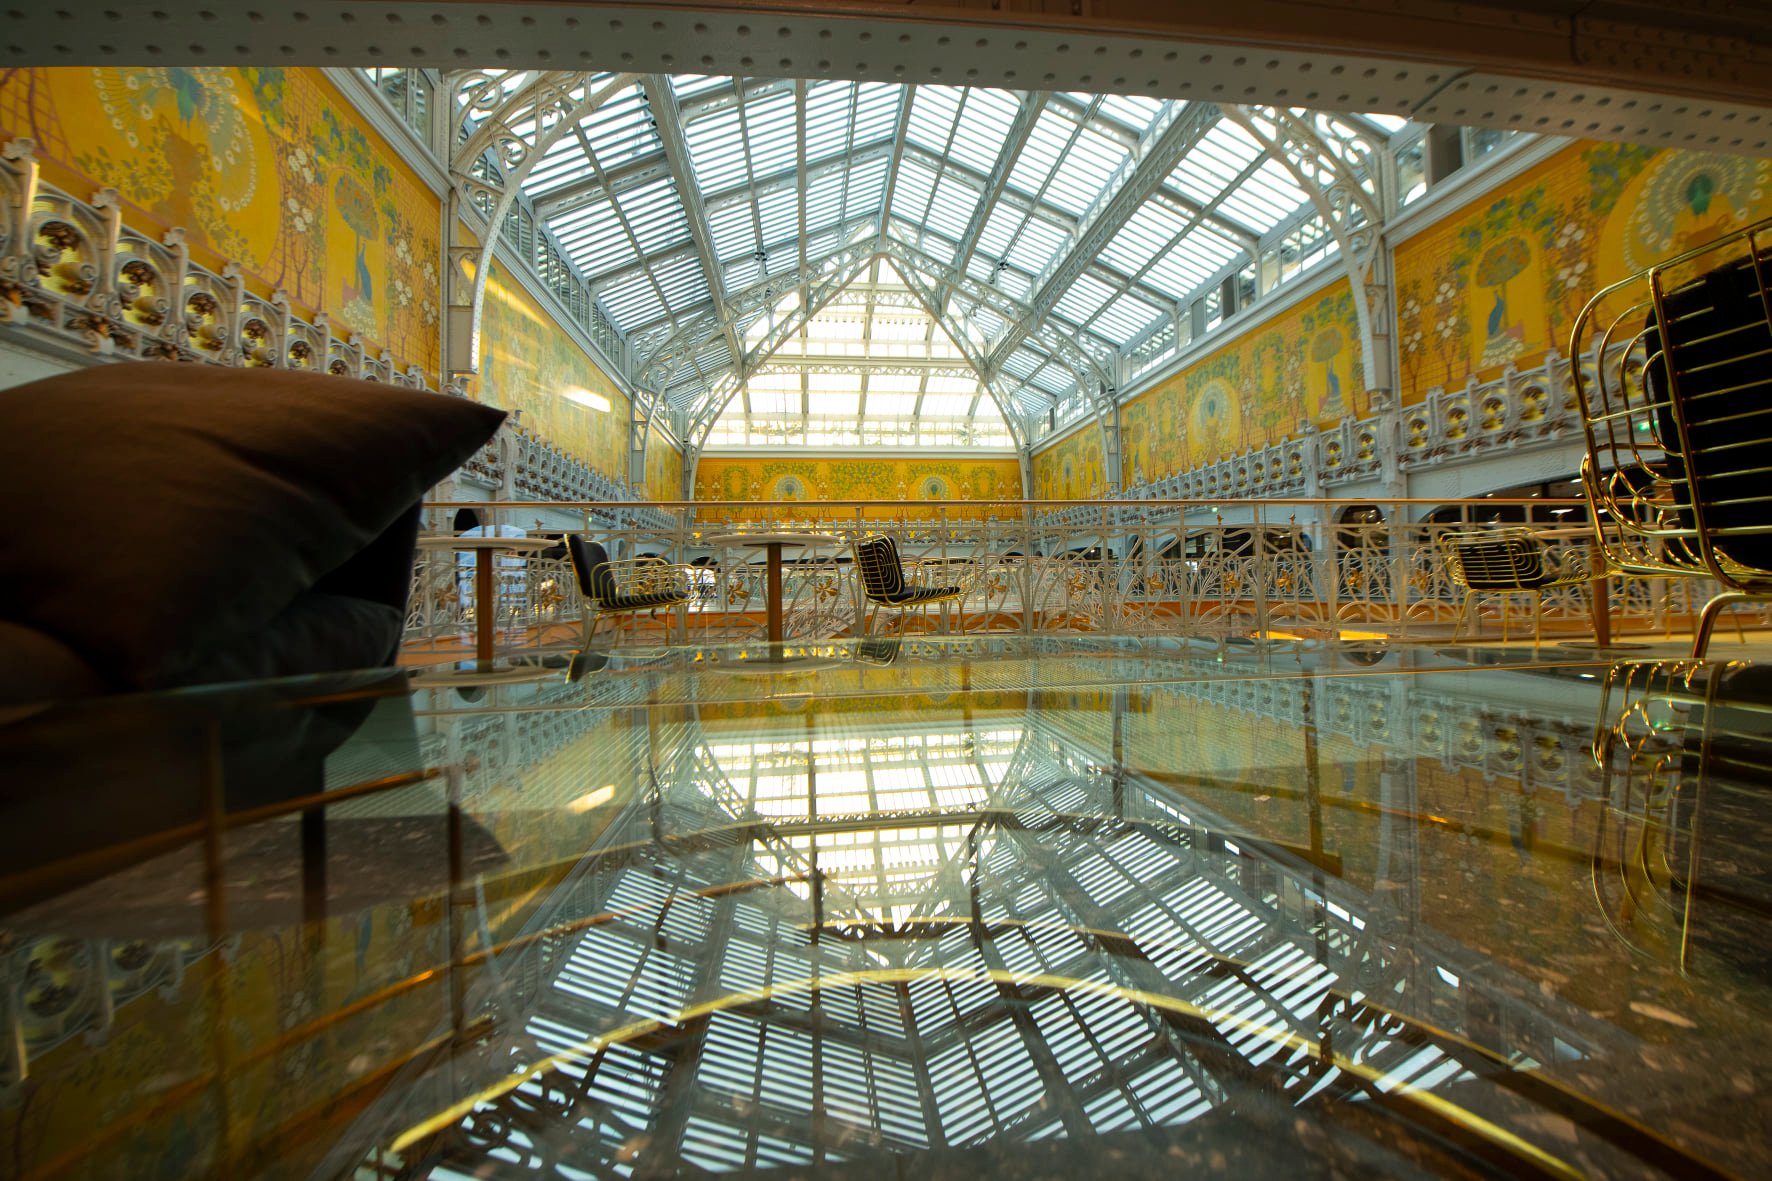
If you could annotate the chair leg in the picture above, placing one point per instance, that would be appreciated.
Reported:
(1464, 614)
(1537, 620)
(1707, 620)
(1503, 599)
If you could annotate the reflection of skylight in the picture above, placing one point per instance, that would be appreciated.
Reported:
(906, 784)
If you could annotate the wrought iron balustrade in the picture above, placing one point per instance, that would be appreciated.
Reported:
(1246, 568)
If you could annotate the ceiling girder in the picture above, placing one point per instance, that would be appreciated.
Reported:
(1020, 130)
(676, 149)
(900, 134)
(1163, 152)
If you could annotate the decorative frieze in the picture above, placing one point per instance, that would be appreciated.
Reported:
(74, 277)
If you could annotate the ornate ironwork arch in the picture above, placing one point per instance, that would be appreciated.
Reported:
(1352, 203)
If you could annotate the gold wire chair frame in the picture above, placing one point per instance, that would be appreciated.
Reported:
(874, 567)
(633, 578)
(1506, 561)
(1634, 475)
(1650, 803)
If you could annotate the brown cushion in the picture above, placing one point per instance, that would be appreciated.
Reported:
(192, 503)
(39, 668)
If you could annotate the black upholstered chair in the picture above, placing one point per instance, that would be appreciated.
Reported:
(1508, 562)
(610, 587)
(1676, 403)
(884, 582)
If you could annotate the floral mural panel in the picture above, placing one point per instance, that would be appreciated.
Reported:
(1304, 366)
(528, 363)
(1501, 281)
(804, 484)
(266, 168)
(664, 470)
(1072, 468)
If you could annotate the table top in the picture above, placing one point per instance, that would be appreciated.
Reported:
(1257, 884)
(779, 537)
(440, 542)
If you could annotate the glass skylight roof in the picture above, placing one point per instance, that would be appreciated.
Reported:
(870, 368)
(680, 195)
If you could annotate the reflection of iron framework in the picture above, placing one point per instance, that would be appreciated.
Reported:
(1090, 955)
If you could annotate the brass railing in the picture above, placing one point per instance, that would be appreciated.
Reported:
(1032, 566)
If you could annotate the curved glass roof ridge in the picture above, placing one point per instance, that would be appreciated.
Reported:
(871, 368)
(683, 196)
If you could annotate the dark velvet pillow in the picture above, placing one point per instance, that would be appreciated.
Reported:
(191, 504)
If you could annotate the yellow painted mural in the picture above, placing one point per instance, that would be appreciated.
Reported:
(1071, 469)
(267, 168)
(1304, 365)
(528, 363)
(664, 470)
(804, 482)
(1502, 280)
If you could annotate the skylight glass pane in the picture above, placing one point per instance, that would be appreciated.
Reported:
(948, 405)
(1085, 169)
(1133, 111)
(1192, 261)
(1085, 295)
(891, 404)
(938, 384)
(952, 206)
(1267, 198)
(1036, 246)
(1145, 235)
(980, 135)
(933, 111)
(879, 323)
(716, 149)
(1040, 155)
(833, 405)
(732, 230)
(911, 196)
(1125, 318)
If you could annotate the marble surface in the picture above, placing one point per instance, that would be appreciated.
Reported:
(1003, 906)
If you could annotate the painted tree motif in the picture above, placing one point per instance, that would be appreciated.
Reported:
(1505, 260)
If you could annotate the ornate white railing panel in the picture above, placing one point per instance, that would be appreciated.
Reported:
(1097, 567)
(1519, 411)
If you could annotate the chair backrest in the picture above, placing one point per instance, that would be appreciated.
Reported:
(882, 574)
(590, 563)
(1676, 400)
(1710, 371)
(1494, 559)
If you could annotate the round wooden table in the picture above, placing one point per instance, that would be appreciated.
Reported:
(483, 549)
(1600, 603)
(773, 543)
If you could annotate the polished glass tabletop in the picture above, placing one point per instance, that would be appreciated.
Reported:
(1018, 906)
